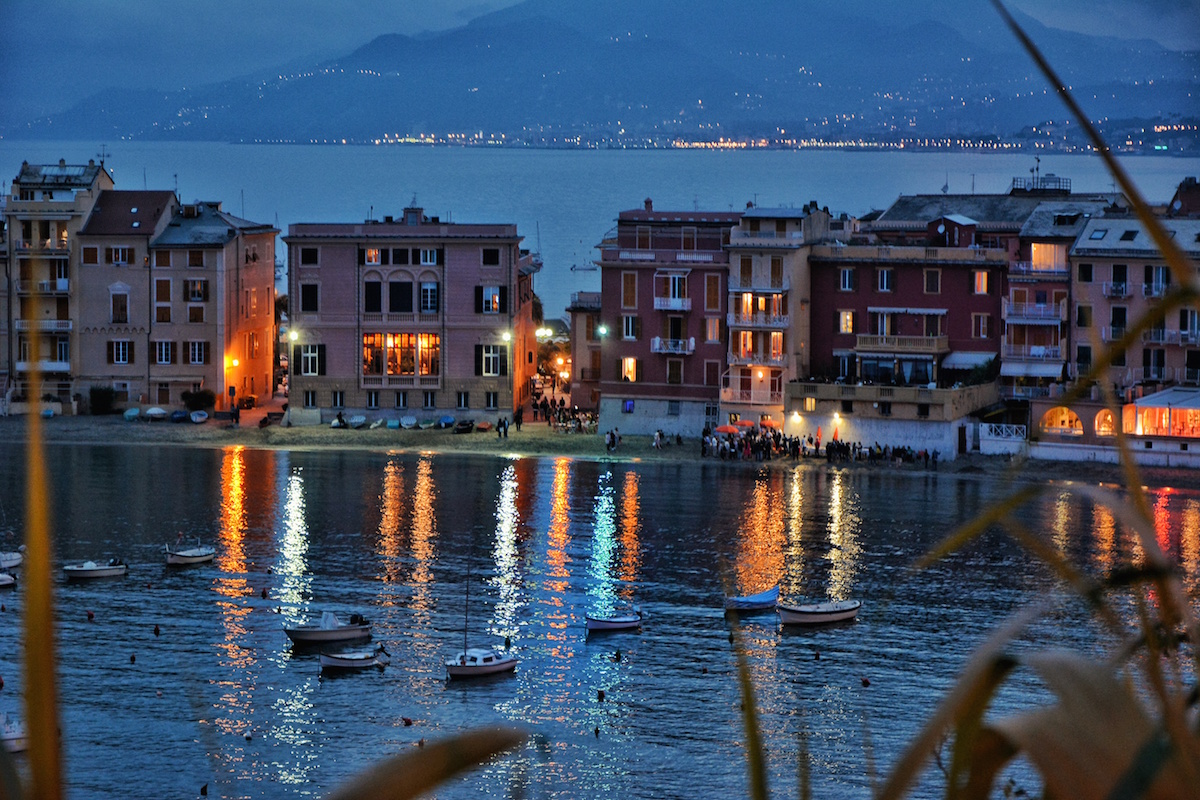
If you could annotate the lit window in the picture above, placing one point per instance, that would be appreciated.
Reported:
(981, 281)
(712, 329)
(845, 322)
(810, 404)
(629, 369)
(373, 258)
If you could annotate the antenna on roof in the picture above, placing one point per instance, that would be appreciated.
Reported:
(946, 185)
(143, 178)
(103, 153)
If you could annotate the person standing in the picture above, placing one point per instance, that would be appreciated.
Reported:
(519, 417)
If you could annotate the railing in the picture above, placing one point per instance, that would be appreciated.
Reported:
(430, 380)
(758, 320)
(1033, 352)
(1028, 269)
(1189, 337)
(762, 397)
(672, 304)
(372, 316)
(673, 346)
(1120, 289)
(1191, 375)
(26, 245)
(691, 255)
(42, 324)
(760, 284)
(903, 344)
(1029, 392)
(1111, 334)
(791, 237)
(1149, 373)
(1054, 312)
(54, 286)
(1160, 336)
(1004, 431)
(1154, 289)
(636, 255)
(750, 359)
(372, 380)
(44, 366)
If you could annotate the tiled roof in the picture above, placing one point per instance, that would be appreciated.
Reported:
(126, 212)
(205, 224)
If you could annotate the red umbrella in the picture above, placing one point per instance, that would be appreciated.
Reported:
(726, 429)
(835, 434)
(769, 423)
(744, 423)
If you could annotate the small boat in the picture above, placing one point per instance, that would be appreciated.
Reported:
(446, 421)
(754, 602)
(466, 426)
(12, 734)
(331, 629)
(357, 421)
(199, 417)
(479, 661)
(179, 555)
(376, 424)
(178, 416)
(408, 423)
(484, 426)
(12, 558)
(156, 414)
(426, 424)
(7, 581)
(112, 568)
(47, 413)
(618, 620)
(394, 424)
(132, 413)
(818, 613)
(354, 659)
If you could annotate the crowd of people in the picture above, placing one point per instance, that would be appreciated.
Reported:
(765, 444)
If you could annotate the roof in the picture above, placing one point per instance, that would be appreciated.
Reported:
(693, 217)
(775, 213)
(1061, 219)
(959, 219)
(118, 213)
(918, 210)
(205, 224)
(59, 175)
(1126, 236)
(1176, 397)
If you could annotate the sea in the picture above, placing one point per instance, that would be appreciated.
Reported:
(562, 201)
(173, 679)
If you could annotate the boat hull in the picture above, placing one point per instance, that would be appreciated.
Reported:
(478, 663)
(79, 572)
(620, 622)
(314, 635)
(365, 659)
(7, 581)
(763, 601)
(191, 555)
(819, 613)
(10, 559)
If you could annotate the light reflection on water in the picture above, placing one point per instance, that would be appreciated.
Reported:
(392, 535)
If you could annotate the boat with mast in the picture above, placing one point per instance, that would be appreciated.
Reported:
(475, 662)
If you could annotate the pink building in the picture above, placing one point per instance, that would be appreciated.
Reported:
(409, 317)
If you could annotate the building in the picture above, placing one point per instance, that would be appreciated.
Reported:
(47, 206)
(664, 293)
(409, 316)
(586, 338)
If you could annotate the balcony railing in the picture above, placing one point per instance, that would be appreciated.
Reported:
(47, 245)
(55, 286)
(1032, 352)
(42, 324)
(1151, 373)
(754, 359)
(1026, 269)
(1112, 334)
(1160, 336)
(1154, 289)
(903, 344)
(44, 366)
(682, 347)
(1036, 312)
(1189, 337)
(672, 304)
(765, 285)
(790, 237)
(1029, 392)
(758, 397)
(1191, 375)
(758, 320)
(1120, 289)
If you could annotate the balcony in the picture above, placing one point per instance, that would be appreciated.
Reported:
(1030, 271)
(1154, 289)
(756, 359)
(45, 367)
(672, 304)
(55, 286)
(931, 345)
(791, 238)
(1112, 334)
(757, 320)
(616, 255)
(1034, 313)
(52, 246)
(42, 324)
(766, 285)
(1160, 336)
(754, 397)
(1189, 336)
(1119, 289)
(682, 347)
(1032, 352)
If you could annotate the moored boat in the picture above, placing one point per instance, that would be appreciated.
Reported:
(354, 659)
(12, 734)
(464, 426)
(12, 558)
(620, 619)
(818, 613)
(178, 416)
(426, 424)
(156, 414)
(479, 661)
(179, 555)
(761, 601)
(331, 629)
(112, 568)
(7, 581)
(132, 413)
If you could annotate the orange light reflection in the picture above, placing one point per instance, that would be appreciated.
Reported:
(1189, 546)
(845, 552)
(388, 535)
(761, 537)
(558, 539)
(631, 533)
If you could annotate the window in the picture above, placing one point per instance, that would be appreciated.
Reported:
(847, 406)
(677, 286)
(980, 279)
(933, 324)
(195, 291)
(120, 352)
(310, 398)
(933, 281)
(308, 256)
(401, 400)
(312, 359)
(373, 399)
(429, 354)
(400, 296)
(491, 360)
(886, 279)
(164, 352)
(195, 258)
(492, 400)
(981, 325)
(885, 408)
(162, 299)
(337, 398)
(118, 255)
(673, 408)
(845, 322)
(1085, 273)
(810, 404)
(120, 308)
(712, 292)
(429, 398)
(688, 239)
(372, 257)
(1098, 233)
(429, 297)
(630, 369)
(91, 255)
(776, 272)
(712, 329)
(429, 258)
(1129, 236)
(923, 410)
(1083, 357)
(308, 298)
(488, 300)
(674, 371)
(626, 406)
(197, 352)
(628, 290)
(643, 237)
(462, 400)
(162, 258)
(1083, 316)
(490, 257)
(846, 279)
(631, 327)
(373, 297)
(195, 313)
(776, 345)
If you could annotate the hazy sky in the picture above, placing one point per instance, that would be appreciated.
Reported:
(166, 44)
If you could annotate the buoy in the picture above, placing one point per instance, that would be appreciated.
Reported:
(1, 683)
(2, 608)
(617, 655)
(817, 656)
(264, 593)
(597, 731)
(507, 643)
(407, 722)
(421, 742)
(204, 790)
(158, 693)
(156, 631)
(731, 637)
(248, 736)
(91, 615)
(600, 695)
(866, 682)
(704, 670)
(132, 659)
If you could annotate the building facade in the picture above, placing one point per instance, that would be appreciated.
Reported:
(587, 333)
(409, 317)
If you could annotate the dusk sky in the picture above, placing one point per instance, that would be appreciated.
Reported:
(167, 45)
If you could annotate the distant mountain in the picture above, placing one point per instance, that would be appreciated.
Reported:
(628, 70)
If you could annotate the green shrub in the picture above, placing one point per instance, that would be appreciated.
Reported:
(199, 401)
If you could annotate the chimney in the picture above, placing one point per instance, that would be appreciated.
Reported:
(649, 204)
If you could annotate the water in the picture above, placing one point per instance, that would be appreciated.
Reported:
(393, 535)
(563, 201)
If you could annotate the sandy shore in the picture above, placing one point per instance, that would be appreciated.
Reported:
(535, 439)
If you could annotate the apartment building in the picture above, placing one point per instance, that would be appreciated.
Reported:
(587, 334)
(47, 205)
(664, 296)
(409, 316)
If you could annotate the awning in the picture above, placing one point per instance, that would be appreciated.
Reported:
(939, 312)
(966, 360)
(1032, 369)
(1174, 398)
(896, 356)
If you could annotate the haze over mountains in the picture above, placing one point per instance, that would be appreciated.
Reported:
(636, 72)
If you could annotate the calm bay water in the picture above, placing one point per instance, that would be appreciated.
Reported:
(545, 540)
(563, 201)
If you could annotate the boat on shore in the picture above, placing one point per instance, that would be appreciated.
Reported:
(762, 601)
(357, 421)
(354, 659)
(408, 422)
(198, 417)
(331, 629)
(818, 613)
(464, 426)
(112, 568)
(618, 620)
(178, 555)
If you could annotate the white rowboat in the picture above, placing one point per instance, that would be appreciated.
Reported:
(479, 661)
(113, 568)
(11, 559)
(179, 556)
(754, 602)
(616, 621)
(354, 659)
(7, 581)
(818, 613)
(331, 629)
